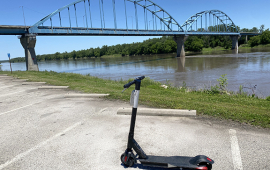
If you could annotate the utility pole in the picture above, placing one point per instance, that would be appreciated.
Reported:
(24, 19)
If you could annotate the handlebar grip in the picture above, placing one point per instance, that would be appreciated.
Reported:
(141, 78)
(129, 84)
(132, 82)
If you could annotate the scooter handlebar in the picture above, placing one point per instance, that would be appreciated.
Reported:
(132, 82)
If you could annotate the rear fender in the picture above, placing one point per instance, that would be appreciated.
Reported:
(199, 159)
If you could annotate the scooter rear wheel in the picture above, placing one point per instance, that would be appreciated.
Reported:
(204, 166)
(129, 162)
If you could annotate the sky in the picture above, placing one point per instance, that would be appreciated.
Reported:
(244, 13)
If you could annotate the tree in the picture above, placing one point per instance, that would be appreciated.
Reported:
(91, 52)
(103, 50)
(193, 43)
(244, 30)
(97, 52)
(197, 45)
(154, 49)
(227, 42)
(265, 37)
(73, 54)
(254, 29)
(65, 55)
(140, 49)
(254, 41)
(261, 28)
(57, 56)
(206, 41)
(159, 47)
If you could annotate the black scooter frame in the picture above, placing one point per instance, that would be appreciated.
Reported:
(180, 162)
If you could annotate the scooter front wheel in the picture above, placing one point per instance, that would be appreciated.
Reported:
(129, 162)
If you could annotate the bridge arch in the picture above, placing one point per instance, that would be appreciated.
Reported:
(166, 22)
(210, 21)
(166, 18)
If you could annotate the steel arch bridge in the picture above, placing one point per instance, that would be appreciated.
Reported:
(156, 21)
(166, 22)
(210, 21)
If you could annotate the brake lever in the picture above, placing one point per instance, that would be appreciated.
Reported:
(124, 90)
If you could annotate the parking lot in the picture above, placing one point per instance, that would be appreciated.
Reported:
(43, 129)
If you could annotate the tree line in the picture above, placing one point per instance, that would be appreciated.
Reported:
(161, 45)
(263, 39)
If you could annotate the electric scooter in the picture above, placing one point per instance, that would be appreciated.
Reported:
(128, 158)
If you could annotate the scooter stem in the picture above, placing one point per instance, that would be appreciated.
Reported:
(134, 113)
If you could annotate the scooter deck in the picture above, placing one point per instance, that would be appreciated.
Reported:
(168, 162)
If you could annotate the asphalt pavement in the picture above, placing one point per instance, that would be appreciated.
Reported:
(43, 128)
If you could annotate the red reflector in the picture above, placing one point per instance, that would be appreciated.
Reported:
(209, 159)
(126, 159)
(202, 168)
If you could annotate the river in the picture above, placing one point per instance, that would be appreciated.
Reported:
(250, 68)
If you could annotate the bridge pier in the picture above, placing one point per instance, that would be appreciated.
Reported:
(29, 43)
(180, 40)
(234, 39)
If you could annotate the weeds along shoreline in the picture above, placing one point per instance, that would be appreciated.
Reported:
(215, 101)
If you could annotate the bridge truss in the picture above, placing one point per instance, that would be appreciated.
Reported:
(211, 21)
(115, 18)
(156, 21)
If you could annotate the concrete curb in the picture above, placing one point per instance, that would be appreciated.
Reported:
(6, 77)
(33, 83)
(3, 75)
(158, 112)
(52, 87)
(19, 80)
(85, 95)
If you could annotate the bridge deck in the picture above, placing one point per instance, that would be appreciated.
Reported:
(13, 29)
(80, 31)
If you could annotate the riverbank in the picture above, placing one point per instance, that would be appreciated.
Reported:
(214, 49)
(240, 108)
(246, 46)
(204, 51)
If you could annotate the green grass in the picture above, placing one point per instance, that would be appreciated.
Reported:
(246, 46)
(111, 56)
(239, 108)
(213, 49)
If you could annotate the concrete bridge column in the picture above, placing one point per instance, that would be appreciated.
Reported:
(235, 42)
(180, 40)
(28, 43)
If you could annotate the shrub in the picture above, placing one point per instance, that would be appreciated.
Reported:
(223, 82)
(265, 37)
(214, 89)
(240, 89)
(193, 43)
(254, 41)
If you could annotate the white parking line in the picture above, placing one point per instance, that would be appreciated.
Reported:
(18, 108)
(20, 156)
(236, 156)
(24, 106)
